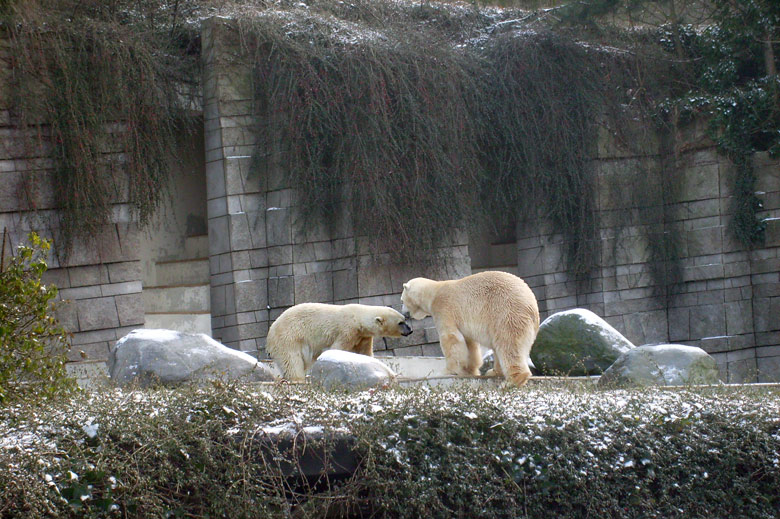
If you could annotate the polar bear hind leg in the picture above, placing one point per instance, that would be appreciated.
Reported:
(512, 357)
(496, 370)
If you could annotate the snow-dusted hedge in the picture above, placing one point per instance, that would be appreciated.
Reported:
(534, 452)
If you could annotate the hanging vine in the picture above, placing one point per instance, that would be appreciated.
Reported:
(422, 120)
(100, 93)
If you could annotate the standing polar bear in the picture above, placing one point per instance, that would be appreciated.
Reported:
(493, 309)
(304, 331)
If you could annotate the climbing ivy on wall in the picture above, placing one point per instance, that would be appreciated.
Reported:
(541, 108)
(378, 127)
(737, 86)
(726, 72)
(418, 118)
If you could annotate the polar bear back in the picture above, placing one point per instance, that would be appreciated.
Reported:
(488, 304)
(318, 325)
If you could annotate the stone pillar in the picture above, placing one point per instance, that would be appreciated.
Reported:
(763, 293)
(236, 203)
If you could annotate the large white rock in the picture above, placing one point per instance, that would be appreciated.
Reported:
(662, 365)
(346, 370)
(147, 357)
(577, 342)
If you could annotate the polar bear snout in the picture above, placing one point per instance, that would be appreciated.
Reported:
(405, 328)
(405, 312)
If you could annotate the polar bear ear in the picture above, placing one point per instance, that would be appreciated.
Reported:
(379, 319)
(406, 286)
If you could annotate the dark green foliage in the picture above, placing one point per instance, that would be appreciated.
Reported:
(535, 452)
(738, 87)
(599, 463)
(33, 345)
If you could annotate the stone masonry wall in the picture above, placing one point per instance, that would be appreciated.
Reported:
(725, 299)
(100, 280)
(717, 294)
(261, 261)
(720, 296)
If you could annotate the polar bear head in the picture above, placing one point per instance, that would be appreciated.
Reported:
(387, 322)
(416, 298)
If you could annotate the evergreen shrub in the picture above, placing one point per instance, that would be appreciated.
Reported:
(33, 345)
(540, 451)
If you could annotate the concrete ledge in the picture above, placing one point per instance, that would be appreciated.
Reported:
(495, 381)
(88, 374)
(415, 367)
(182, 272)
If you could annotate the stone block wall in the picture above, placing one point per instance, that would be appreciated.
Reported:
(670, 269)
(262, 261)
(100, 280)
(714, 294)
(718, 295)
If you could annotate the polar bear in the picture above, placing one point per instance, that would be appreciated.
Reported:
(304, 331)
(494, 309)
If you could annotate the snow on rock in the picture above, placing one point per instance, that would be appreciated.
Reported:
(577, 342)
(347, 370)
(662, 365)
(146, 357)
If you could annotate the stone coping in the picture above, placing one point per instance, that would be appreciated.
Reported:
(93, 373)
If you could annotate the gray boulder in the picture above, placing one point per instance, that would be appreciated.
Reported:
(149, 357)
(488, 362)
(577, 342)
(661, 365)
(336, 369)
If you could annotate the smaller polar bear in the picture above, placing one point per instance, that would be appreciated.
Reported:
(494, 309)
(304, 331)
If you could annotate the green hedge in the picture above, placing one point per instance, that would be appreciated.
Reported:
(534, 452)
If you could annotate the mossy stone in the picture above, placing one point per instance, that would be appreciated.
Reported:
(577, 342)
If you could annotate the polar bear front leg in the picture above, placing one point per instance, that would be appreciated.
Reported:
(456, 353)
(365, 346)
(294, 367)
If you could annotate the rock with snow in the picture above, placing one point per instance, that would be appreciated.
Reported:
(147, 357)
(577, 342)
(351, 371)
(661, 365)
(488, 361)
